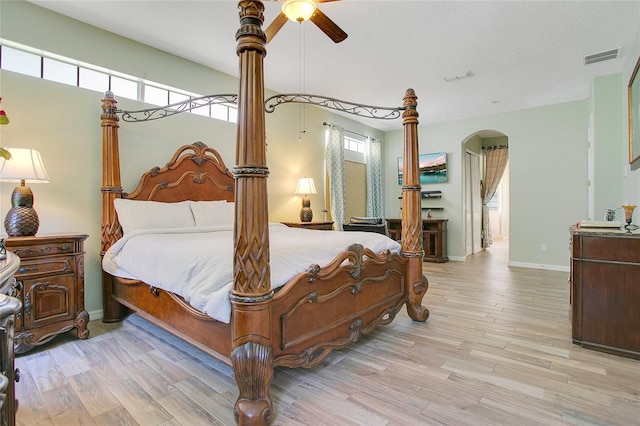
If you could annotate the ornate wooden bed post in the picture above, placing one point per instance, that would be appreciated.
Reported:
(412, 212)
(252, 354)
(111, 189)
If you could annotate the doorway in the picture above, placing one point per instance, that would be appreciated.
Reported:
(473, 172)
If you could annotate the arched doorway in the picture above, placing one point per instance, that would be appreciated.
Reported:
(473, 149)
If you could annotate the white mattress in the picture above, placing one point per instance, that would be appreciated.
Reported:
(197, 263)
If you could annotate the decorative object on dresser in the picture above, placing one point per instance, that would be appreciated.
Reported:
(605, 290)
(9, 307)
(434, 238)
(304, 188)
(628, 217)
(50, 284)
(321, 226)
(24, 166)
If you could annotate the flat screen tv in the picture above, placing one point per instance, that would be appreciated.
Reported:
(433, 168)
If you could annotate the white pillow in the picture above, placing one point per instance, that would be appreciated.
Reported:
(207, 213)
(134, 214)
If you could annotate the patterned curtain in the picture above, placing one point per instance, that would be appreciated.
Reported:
(373, 156)
(495, 161)
(334, 158)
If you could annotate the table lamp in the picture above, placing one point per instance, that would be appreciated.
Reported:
(304, 188)
(25, 165)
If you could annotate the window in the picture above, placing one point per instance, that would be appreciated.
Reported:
(60, 72)
(353, 144)
(21, 62)
(354, 148)
(93, 80)
(48, 66)
(155, 95)
(124, 88)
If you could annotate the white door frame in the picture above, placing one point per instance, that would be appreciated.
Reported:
(473, 204)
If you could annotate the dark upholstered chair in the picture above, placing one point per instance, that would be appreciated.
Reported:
(366, 224)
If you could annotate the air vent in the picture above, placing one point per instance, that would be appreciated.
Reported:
(458, 77)
(602, 56)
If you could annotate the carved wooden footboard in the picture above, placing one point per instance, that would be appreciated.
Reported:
(327, 308)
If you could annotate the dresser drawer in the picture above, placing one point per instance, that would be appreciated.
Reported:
(44, 249)
(621, 249)
(47, 266)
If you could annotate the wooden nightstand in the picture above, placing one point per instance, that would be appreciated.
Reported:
(323, 226)
(50, 285)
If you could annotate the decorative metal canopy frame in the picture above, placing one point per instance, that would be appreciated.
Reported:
(177, 108)
(360, 110)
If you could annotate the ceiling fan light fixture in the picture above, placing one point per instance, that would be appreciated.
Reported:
(299, 10)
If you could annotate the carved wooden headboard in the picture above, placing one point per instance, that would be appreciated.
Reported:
(195, 172)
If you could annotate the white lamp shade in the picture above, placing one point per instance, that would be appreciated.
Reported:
(306, 186)
(25, 164)
(298, 10)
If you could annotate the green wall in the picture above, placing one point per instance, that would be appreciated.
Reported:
(548, 177)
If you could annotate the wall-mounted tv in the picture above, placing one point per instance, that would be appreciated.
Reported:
(433, 168)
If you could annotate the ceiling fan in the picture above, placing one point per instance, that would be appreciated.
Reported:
(303, 10)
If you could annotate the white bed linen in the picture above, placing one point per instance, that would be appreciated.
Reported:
(197, 263)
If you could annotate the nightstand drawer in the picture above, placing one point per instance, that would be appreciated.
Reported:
(37, 250)
(49, 266)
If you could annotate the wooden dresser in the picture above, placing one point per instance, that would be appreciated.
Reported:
(605, 290)
(50, 285)
(9, 307)
(434, 237)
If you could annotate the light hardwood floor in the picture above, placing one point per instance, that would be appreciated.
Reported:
(496, 350)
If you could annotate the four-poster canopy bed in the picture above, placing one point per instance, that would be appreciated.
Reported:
(324, 307)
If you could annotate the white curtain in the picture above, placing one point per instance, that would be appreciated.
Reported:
(334, 158)
(375, 199)
(495, 161)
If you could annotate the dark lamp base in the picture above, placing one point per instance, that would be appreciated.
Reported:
(306, 214)
(21, 222)
(22, 219)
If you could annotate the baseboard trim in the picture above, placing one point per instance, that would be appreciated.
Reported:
(558, 268)
(95, 315)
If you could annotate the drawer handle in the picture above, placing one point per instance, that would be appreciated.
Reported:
(16, 288)
(27, 269)
(16, 375)
(65, 248)
(27, 305)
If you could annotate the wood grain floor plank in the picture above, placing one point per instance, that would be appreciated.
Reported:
(142, 407)
(95, 397)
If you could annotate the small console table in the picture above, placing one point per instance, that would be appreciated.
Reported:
(605, 290)
(434, 237)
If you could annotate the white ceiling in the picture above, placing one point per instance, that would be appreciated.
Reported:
(522, 53)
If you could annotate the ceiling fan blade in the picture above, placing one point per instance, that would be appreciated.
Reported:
(327, 26)
(275, 26)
